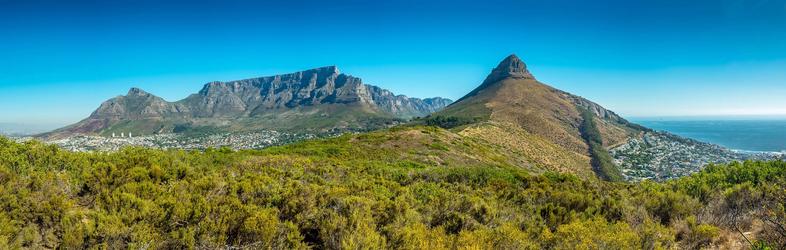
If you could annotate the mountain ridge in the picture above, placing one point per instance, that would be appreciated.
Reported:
(318, 92)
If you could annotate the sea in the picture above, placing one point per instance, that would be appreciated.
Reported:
(738, 133)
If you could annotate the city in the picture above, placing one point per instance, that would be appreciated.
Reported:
(236, 141)
(661, 156)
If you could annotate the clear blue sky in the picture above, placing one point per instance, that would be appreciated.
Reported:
(61, 59)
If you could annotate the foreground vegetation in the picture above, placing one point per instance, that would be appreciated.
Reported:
(369, 191)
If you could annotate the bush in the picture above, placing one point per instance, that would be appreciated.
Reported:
(601, 161)
(449, 121)
(340, 193)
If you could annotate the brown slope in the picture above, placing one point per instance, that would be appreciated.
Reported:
(519, 110)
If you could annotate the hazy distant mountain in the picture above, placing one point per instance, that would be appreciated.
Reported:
(24, 129)
(313, 100)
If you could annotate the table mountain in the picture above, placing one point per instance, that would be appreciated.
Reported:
(314, 100)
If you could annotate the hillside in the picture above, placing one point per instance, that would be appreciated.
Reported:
(405, 188)
(512, 104)
(560, 131)
(312, 101)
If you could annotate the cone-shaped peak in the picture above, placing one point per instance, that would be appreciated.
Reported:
(511, 66)
(137, 92)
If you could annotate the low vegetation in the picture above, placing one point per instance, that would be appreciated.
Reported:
(449, 122)
(345, 193)
(601, 161)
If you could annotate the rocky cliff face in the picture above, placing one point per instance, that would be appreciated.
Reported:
(250, 96)
(403, 106)
(259, 97)
(307, 88)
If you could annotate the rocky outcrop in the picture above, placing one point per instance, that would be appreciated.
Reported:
(593, 107)
(512, 67)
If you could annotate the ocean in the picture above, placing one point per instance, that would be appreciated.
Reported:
(746, 135)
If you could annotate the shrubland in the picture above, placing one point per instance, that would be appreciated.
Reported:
(405, 188)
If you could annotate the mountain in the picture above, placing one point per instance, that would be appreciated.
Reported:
(25, 129)
(553, 128)
(315, 100)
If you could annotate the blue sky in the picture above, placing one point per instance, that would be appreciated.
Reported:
(61, 59)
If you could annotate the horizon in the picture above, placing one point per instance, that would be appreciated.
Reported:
(655, 59)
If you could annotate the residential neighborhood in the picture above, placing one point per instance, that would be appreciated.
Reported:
(660, 156)
(237, 141)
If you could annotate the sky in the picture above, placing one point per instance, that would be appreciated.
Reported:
(61, 59)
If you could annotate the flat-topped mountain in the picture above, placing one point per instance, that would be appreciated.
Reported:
(313, 100)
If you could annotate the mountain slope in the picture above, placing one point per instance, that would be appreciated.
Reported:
(521, 109)
(314, 100)
(561, 131)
